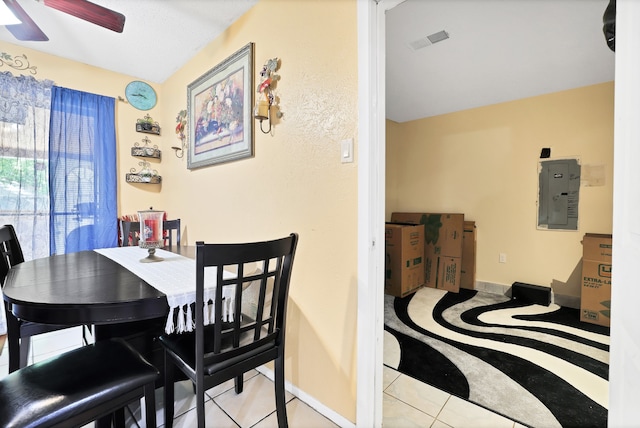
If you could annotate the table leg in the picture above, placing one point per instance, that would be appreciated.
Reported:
(13, 337)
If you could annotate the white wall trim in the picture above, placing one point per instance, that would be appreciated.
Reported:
(368, 382)
(624, 355)
(371, 208)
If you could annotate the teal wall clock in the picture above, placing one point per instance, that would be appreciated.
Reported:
(141, 95)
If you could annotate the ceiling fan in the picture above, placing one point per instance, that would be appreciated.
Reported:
(83, 9)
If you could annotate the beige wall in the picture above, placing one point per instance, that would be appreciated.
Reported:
(483, 163)
(294, 183)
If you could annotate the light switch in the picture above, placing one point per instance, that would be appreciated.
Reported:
(346, 150)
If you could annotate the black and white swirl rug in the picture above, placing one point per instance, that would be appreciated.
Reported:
(538, 365)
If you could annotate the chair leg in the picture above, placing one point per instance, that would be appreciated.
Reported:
(281, 409)
(200, 401)
(150, 405)
(168, 391)
(25, 345)
(118, 418)
(105, 421)
(239, 383)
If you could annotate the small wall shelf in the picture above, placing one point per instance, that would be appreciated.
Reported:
(133, 177)
(145, 175)
(147, 125)
(146, 151)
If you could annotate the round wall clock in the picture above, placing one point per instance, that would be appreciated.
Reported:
(141, 95)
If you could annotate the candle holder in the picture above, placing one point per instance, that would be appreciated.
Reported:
(151, 246)
(151, 233)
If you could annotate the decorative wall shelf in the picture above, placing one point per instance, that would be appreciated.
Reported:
(145, 175)
(146, 151)
(147, 125)
(133, 177)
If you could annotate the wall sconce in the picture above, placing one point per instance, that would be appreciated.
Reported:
(268, 101)
(181, 121)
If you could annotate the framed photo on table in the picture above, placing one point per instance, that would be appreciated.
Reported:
(219, 105)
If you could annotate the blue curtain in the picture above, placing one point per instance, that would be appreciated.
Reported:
(82, 171)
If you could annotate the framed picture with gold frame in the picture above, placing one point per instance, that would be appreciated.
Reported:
(219, 104)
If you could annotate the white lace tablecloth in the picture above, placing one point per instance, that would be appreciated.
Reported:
(175, 276)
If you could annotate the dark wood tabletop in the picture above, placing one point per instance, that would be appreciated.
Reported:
(82, 288)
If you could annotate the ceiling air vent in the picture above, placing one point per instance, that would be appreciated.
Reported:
(423, 42)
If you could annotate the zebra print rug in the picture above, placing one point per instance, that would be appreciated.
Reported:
(534, 364)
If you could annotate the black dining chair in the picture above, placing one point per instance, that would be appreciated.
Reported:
(171, 231)
(252, 334)
(79, 386)
(19, 331)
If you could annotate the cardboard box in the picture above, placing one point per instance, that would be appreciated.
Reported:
(442, 247)
(468, 269)
(595, 299)
(597, 247)
(404, 259)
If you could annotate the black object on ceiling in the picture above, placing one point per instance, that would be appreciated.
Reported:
(28, 30)
(609, 28)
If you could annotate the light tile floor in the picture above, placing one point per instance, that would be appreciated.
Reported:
(411, 403)
(406, 402)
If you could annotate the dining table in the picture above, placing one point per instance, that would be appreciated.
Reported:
(84, 287)
(91, 289)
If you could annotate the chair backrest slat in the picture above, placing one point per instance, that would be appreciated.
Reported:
(130, 229)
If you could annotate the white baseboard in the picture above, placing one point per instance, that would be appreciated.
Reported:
(328, 413)
(493, 288)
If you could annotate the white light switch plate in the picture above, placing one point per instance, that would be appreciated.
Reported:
(346, 150)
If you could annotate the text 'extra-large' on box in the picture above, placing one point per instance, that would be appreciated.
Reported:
(404, 258)
(595, 299)
(442, 247)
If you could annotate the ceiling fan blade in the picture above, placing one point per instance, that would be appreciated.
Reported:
(91, 12)
(28, 30)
